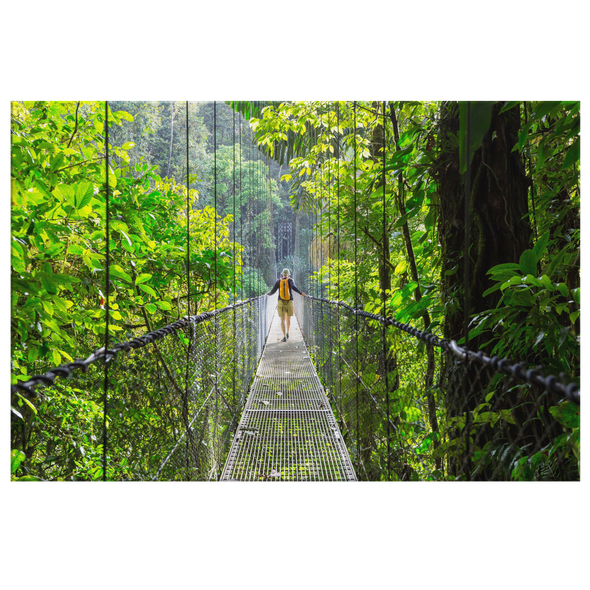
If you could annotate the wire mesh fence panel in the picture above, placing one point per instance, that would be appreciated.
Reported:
(416, 411)
(498, 428)
(174, 398)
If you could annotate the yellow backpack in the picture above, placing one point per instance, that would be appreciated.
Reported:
(285, 294)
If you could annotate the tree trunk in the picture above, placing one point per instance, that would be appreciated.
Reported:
(171, 138)
(499, 232)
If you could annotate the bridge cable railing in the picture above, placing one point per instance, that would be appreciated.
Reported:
(497, 420)
(176, 398)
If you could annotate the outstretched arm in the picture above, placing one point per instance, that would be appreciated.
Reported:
(295, 288)
(274, 289)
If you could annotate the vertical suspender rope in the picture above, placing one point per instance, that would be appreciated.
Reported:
(356, 304)
(385, 363)
(189, 438)
(466, 284)
(338, 201)
(271, 217)
(326, 177)
(258, 191)
(467, 227)
(235, 338)
(234, 182)
(242, 255)
(338, 254)
(323, 294)
(106, 296)
(528, 151)
(188, 235)
(215, 205)
(216, 318)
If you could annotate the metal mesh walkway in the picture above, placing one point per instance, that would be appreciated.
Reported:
(288, 431)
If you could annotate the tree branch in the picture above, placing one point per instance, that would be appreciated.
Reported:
(76, 125)
(378, 244)
(80, 163)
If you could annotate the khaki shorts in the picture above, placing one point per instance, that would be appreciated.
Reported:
(285, 307)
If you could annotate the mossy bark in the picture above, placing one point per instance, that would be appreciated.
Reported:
(500, 231)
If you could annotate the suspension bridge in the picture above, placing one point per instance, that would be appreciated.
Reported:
(218, 396)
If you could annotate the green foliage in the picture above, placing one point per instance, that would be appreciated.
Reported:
(368, 231)
(568, 415)
(58, 272)
(337, 174)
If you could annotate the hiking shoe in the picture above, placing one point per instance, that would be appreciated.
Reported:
(284, 339)
(287, 336)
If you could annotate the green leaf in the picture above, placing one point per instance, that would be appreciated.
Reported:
(562, 288)
(27, 402)
(142, 278)
(576, 295)
(528, 263)
(539, 338)
(16, 458)
(56, 162)
(547, 283)
(516, 280)
(556, 262)
(117, 271)
(33, 354)
(573, 155)
(502, 267)
(404, 218)
(401, 267)
(129, 242)
(49, 285)
(543, 154)
(84, 193)
(531, 280)
(563, 334)
(561, 307)
(124, 115)
(128, 145)
(151, 307)
(112, 179)
(541, 245)
(567, 414)
(56, 357)
(523, 135)
(543, 108)
(147, 289)
(65, 192)
(480, 117)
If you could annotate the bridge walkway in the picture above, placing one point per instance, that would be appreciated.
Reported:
(287, 431)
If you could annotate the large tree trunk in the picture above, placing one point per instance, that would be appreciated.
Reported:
(500, 231)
